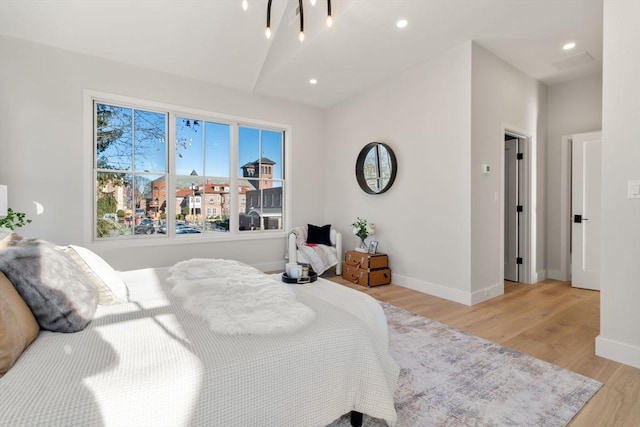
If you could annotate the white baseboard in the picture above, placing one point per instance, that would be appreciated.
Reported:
(487, 293)
(618, 351)
(539, 276)
(455, 295)
(436, 290)
(270, 266)
(556, 275)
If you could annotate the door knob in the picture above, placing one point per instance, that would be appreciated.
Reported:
(578, 219)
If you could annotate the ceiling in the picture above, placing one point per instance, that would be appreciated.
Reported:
(216, 41)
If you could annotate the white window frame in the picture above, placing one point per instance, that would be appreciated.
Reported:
(91, 96)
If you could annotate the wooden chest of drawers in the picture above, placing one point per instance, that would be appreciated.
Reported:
(366, 269)
(366, 260)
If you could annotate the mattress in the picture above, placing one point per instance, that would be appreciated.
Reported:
(150, 363)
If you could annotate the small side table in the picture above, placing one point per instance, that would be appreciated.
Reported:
(366, 269)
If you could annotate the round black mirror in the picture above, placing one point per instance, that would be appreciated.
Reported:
(376, 168)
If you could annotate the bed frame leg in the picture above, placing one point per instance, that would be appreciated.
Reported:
(356, 419)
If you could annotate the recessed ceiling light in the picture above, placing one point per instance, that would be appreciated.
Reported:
(569, 46)
(401, 23)
(313, 81)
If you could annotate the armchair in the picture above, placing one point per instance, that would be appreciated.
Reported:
(303, 247)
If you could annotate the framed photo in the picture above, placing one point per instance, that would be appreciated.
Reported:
(373, 246)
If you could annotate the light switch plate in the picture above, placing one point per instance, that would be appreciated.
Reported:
(633, 189)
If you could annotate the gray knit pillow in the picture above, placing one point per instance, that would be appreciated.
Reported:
(56, 290)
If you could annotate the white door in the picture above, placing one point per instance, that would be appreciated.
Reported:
(585, 205)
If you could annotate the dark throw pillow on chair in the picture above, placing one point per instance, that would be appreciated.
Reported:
(319, 235)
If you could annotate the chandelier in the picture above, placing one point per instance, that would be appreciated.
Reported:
(245, 5)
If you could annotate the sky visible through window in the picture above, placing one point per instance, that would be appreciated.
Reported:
(138, 138)
(215, 137)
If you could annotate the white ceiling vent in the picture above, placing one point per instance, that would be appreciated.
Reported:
(574, 61)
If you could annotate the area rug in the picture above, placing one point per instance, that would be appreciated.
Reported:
(451, 378)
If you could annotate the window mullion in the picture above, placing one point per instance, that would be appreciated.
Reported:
(261, 179)
(170, 193)
(133, 171)
(203, 179)
(234, 199)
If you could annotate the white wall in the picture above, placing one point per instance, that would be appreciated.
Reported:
(441, 221)
(503, 97)
(42, 147)
(619, 337)
(423, 221)
(573, 107)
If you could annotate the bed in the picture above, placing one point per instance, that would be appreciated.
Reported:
(151, 362)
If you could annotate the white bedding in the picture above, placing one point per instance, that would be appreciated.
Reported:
(150, 363)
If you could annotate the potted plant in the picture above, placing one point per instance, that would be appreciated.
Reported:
(12, 221)
(363, 229)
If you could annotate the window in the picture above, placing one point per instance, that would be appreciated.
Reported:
(159, 174)
(203, 155)
(261, 150)
(130, 155)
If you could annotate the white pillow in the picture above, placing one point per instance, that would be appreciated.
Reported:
(112, 289)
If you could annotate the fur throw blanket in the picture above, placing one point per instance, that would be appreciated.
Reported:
(235, 298)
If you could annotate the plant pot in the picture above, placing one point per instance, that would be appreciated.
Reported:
(4, 232)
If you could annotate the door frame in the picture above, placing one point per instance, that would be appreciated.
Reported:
(528, 253)
(565, 207)
(513, 193)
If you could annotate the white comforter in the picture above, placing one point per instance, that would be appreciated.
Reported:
(150, 363)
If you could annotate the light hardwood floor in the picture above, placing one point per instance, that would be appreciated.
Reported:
(549, 320)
